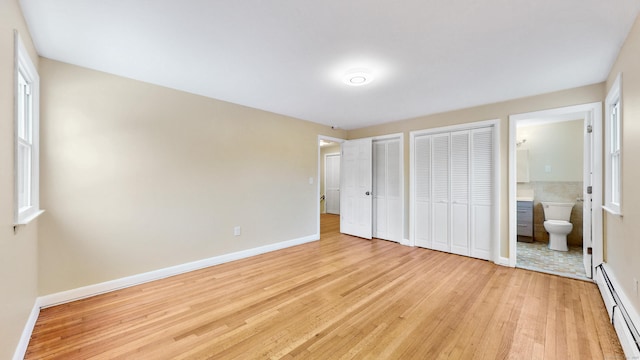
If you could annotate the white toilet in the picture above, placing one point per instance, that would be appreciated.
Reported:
(557, 216)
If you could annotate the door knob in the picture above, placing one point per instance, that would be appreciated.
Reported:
(367, 193)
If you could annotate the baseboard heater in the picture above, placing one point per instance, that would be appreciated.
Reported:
(618, 315)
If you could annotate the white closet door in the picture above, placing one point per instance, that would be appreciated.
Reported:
(440, 178)
(422, 185)
(460, 192)
(482, 168)
(356, 186)
(387, 202)
(395, 224)
(332, 183)
(380, 223)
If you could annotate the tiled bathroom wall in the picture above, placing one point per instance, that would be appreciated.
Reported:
(556, 191)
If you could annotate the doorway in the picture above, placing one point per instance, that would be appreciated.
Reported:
(551, 163)
(329, 159)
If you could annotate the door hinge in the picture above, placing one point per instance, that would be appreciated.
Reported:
(589, 250)
(589, 129)
(589, 189)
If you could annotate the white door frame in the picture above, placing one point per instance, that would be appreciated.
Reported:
(327, 138)
(594, 110)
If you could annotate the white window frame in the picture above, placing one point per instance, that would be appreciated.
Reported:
(613, 149)
(26, 136)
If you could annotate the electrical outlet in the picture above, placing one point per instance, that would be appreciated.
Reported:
(237, 231)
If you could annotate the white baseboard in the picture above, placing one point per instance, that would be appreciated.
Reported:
(613, 306)
(405, 242)
(101, 288)
(107, 286)
(21, 349)
(503, 261)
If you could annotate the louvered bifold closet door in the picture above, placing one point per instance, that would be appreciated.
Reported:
(395, 224)
(440, 195)
(460, 192)
(422, 197)
(482, 169)
(387, 204)
(380, 225)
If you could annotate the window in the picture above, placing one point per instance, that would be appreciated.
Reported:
(613, 149)
(27, 88)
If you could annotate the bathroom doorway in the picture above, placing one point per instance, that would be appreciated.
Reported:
(551, 167)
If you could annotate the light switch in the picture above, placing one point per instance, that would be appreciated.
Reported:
(547, 168)
(311, 181)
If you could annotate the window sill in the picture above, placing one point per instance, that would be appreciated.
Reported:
(612, 211)
(28, 219)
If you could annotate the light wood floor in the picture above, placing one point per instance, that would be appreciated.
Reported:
(337, 298)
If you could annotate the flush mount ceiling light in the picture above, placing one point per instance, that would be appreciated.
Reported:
(357, 77)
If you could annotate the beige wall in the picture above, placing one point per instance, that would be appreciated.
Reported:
(138, 177)
(329, 149)
(558, 145)
(582, 95)
(622, 234)
(18, 252)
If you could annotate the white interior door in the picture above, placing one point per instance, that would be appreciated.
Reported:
(380, 225)
(440, 165)
(453, 191)
(421, 167)
(482, 192)
(332, 183)
(460, 192)
(387, 190)
(356, 187)
(587, 236)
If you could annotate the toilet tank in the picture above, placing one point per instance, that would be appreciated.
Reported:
(557, 211)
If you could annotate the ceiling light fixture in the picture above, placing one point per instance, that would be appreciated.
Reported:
(357, 77)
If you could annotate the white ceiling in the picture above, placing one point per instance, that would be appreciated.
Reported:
(288, 57)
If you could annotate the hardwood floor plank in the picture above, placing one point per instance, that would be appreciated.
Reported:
(338, 298)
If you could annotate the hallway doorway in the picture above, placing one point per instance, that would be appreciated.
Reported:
(329, 164)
